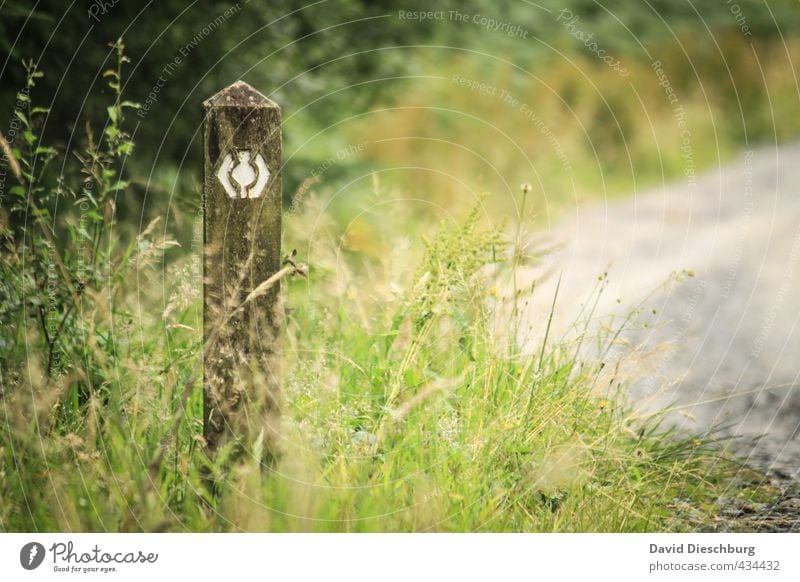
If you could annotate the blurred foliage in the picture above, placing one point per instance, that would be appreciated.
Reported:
(278, 46)
(341, 68)
(299, 54)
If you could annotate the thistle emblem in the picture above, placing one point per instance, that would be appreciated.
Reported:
(243, 176)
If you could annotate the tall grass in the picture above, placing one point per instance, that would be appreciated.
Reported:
(401, 413)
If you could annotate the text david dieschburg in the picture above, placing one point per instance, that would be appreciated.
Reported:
(701, 549)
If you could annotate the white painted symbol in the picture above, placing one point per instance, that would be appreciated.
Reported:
(243, 177)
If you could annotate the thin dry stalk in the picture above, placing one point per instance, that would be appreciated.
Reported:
(291, 268)
(12, 161)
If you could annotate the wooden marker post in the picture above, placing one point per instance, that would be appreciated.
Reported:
(242, 249)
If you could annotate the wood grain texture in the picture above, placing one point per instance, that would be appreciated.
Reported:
(242, 239)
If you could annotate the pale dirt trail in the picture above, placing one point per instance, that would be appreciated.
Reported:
(728, 338)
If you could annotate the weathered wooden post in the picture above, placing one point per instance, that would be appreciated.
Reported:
(242, 239)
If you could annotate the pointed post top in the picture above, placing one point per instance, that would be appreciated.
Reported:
(240, 94)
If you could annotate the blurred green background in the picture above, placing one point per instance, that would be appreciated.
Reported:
(380, 104)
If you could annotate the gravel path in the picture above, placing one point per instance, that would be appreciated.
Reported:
(723, 346)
